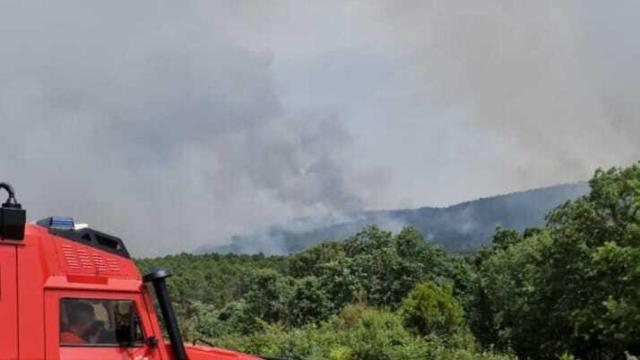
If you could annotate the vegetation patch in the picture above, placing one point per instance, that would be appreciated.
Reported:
(568, 289)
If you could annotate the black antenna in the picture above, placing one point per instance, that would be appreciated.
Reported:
(11, 200)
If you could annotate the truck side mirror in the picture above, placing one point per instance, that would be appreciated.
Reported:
(152, 342)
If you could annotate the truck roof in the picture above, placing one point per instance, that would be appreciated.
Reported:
(84, 259)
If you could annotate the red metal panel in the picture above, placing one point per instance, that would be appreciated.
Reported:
(31, 275)
(8, 303)
(153, 323)
(208, 353)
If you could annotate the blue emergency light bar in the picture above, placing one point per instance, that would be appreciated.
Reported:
(58, 222)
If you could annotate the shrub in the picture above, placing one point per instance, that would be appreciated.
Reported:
(432, 309)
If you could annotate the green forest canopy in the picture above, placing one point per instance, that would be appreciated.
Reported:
(568, 289)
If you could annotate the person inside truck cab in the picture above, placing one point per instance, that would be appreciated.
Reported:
(81, 319)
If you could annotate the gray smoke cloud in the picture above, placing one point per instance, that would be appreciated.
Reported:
(152, 123)
(552, 82)
(179, 125)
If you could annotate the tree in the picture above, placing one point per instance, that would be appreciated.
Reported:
(592, 270)
(268, 294)
(572, 287)
(508, 311)
(309, 303)
(432, 309)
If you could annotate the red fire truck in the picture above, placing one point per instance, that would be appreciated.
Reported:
(69, 292)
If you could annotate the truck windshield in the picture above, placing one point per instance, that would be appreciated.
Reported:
(99, 322)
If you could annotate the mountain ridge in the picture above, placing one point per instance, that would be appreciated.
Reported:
(458, 228)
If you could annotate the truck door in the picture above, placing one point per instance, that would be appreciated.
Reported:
(8, 302)
(98, 325)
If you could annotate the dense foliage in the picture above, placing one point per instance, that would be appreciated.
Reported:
(569, 289)
(573, 286)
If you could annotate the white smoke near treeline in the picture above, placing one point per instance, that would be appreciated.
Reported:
(179, 125)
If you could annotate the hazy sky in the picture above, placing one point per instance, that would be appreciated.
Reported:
(175, 124)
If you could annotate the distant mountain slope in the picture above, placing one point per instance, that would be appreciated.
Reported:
(461, 227)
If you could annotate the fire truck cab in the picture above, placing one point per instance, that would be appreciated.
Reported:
(70, 292)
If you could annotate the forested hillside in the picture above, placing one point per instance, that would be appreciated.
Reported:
(462, 227)
(568, 289)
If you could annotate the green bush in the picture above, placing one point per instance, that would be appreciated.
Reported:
(432, 310)
(357, 333)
